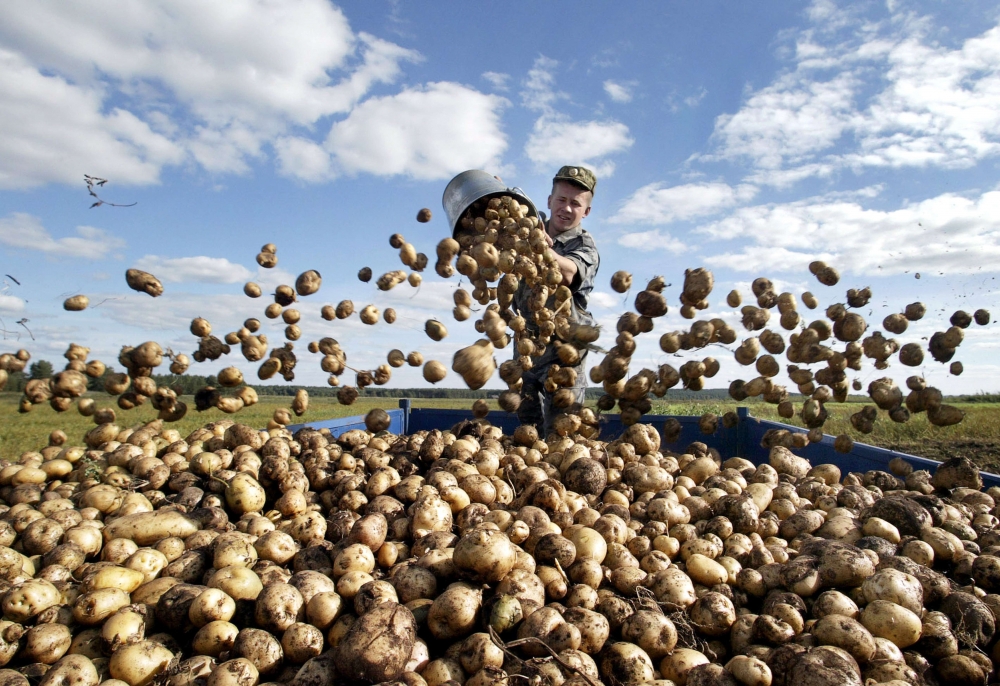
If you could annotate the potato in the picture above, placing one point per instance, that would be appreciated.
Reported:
(46, 643)
(233, 549)
(211, 605)
(549, 626)
(378, 645)
(301, 642)
(146, 528)
(72, 670)
(626, 663)
(237, 672)
(116, 577)
(886, 619)
(267, 260)
(244, 494)
(673, 587)
(485, 555)
(749, 671)
(713, 614)
(308, 282)
(30, 599)
(834, 603)
(276, 546)
(651, 631)
(960, 669)
(214, 637)
(76, 303)
(895, 586)
(846, 633)
(259, 647)
(143, 282)
(972, 621)
(278, 607)
(323, 609)
(621, 281)
(239, 583)
(139, 663)
(453, 613)
(122, 628)
(435, 330)
(434, 371)
(706, 571)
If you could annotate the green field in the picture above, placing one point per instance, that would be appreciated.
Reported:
(30, 431)
(977, 437)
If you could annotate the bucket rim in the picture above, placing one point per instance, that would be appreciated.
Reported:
(499, 189)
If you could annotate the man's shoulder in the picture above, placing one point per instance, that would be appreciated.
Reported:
(577, 236)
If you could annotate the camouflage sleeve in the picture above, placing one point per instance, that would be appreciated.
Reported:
(584, 253)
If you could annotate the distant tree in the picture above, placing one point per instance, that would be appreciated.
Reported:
(40, 370)
(16, 382)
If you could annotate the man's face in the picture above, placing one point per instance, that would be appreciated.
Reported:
(568, 205)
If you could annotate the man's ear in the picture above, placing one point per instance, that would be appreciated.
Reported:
(587, 211)
(548, 203)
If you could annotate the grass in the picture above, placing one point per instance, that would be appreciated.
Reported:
(978, 436)
(30, 431)
(982, 421)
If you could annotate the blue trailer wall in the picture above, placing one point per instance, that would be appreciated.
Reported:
(743, 440)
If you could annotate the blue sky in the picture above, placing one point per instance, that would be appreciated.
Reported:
(749, 138)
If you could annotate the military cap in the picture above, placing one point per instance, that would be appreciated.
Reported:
(581, 176)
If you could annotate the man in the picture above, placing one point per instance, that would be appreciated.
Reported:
(576, 255)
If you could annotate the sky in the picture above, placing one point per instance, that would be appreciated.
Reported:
(746, 138)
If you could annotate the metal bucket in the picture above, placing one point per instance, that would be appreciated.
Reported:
(473, 185)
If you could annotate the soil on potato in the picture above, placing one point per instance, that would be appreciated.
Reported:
(984, 452)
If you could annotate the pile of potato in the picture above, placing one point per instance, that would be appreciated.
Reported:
(237, 557)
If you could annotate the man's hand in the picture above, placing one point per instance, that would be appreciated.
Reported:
(567, 268)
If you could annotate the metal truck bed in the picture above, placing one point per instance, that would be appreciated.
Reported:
(743, 440)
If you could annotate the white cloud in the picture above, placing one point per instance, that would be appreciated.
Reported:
(693, 100)
(555, 139)
(606, 301)
(25, 231)
(619, 92)
(429, 132)
(123, 91)
(53, 130)
(302, 158)
(173, 313)
(200, 269)
(553, 142)
(11, 304)
(948, 233)
(888, 97)
(940, 106)
(651, 240)
(498, 80)
(539, 87)
(655, 204)
(789, 120)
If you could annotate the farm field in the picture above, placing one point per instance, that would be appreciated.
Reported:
(977, 437)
